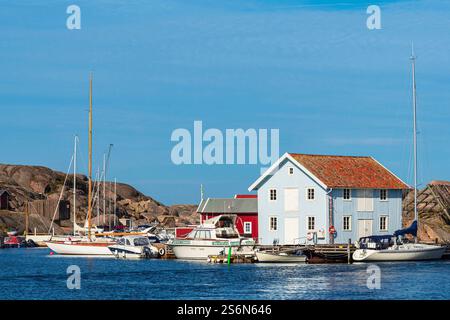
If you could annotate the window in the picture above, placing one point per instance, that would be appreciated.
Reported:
(291, 171)
(273, 224)
(384, 223)
(310, 193)
(347, 194)
(247, 227)
(272, 194)
(347, 223)
(365, 200)
(383, 194)
(291, 199)
(311, 223)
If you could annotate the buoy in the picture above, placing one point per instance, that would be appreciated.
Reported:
(52, 253)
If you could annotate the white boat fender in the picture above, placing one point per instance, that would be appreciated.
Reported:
(162, 251)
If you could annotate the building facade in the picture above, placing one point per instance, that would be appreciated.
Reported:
(327, 199)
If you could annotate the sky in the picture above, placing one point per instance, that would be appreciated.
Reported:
(311, 69)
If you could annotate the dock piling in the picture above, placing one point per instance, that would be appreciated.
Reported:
(348, 251)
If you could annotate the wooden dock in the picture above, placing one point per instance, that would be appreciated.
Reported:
(168, 253)
(319, 253)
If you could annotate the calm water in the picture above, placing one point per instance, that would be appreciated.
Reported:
(34, 274)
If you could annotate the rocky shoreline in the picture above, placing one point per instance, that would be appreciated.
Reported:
(26, 184)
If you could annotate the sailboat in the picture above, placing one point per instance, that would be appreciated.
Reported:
(391, 247)
(89, 245)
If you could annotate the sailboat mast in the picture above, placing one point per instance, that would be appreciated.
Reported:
(90, 159)
(413, 62)
(74, 184)
(104, 188)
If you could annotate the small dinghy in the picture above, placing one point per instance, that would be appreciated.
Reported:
(134, 247)
(280, 257)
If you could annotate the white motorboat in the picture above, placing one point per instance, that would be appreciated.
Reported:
(390, 247)
(134, 247)
(280, 257)
(214, 237)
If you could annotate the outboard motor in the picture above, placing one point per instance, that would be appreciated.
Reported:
(147, 252)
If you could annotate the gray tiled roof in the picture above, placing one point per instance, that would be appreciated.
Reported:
(228, 205)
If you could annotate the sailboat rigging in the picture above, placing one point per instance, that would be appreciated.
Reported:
(89, 245)
(389, 247)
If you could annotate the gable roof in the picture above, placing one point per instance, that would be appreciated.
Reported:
(228, 205)
(342, 171)
(4, 191)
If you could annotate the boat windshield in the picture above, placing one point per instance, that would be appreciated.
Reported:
(200, 234)
(139, 242)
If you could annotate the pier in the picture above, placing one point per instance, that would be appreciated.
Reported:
(318, 253)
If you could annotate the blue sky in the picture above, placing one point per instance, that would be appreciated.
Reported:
(311, 69)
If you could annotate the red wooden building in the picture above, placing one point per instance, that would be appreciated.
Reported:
(244, 206)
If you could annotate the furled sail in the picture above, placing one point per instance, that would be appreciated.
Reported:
(412, 230)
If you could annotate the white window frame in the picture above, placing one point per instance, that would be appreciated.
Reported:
(247, 223)
(290, 171)
(270, 223)
(386, 223)
(307, 223)
(307, 193)
(349, 194)
(365, 203)
(349, 223)
(387, 194)
(270, 195)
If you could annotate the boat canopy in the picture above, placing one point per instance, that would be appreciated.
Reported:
(221, 221)
(377, 242)
(412, 230)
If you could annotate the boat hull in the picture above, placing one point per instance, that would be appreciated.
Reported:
(129, 252)
(421, 252)
(80, 248)
(268, 257)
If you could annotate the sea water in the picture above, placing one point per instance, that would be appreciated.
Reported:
(35, 274)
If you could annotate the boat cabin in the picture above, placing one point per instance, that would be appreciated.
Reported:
(223, 226)
(135, 241)
(244, 206)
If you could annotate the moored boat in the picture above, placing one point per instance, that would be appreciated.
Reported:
(81, 247)
(392, 248)
(89, 245)
(280, 257)
(402, 252)
(214, 237)
(134, 247)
